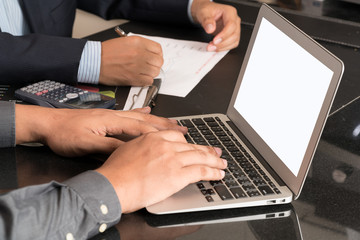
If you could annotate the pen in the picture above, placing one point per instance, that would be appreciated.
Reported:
(120, 32)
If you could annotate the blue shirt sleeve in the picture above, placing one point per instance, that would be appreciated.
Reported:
(90, 62)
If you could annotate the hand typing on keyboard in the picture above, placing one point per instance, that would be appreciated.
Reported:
(156, 165)
(243, 176)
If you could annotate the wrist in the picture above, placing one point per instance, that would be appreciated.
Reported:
(113, 180)
(31, 123)
(196, 5)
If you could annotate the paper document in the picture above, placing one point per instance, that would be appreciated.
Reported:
(185, 64)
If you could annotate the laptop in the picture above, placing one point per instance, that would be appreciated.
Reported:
(273, 123)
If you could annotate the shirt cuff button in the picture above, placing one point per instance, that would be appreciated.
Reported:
(102, 227)
(69, 236)
(104, 209)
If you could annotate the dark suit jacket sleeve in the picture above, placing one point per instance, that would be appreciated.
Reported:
(165, 11)
(37, 57)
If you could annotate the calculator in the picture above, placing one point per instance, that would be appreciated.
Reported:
(54, 94)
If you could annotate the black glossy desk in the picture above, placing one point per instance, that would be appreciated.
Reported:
(328, 206)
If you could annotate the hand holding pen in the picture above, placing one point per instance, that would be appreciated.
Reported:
(122, 33)
(152, 90)
(131, 61)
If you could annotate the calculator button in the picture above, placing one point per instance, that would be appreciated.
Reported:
(72, 95)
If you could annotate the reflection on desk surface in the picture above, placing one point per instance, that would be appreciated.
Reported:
(343, 128)
(275, 222)
(331, 193)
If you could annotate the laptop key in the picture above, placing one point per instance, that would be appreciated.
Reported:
(188, 139)
(210, 191)
(209, 119)
(186, 123)
(198, 139)
(231, 184)
(248, 187)
(210, 137)
(213, 124)
(238, 192)
(203, 127)
(214, 142)
(216, 183)
(205, 131)
(277, 190)
(236, 154)
(209, 198)
(265, 190)
(223, 192)
(217, 129)
(259, 182)
(253, 193)
(198, 121)
(224, 138)
(195, 134)
(220, 133)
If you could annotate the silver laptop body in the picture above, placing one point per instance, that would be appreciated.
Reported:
(274, 121)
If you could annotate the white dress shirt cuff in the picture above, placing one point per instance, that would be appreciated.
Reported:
(90, 62)
(189, 11)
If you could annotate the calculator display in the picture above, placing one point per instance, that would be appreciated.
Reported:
(88, 100)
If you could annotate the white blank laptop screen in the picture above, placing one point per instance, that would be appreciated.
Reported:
(294, 84)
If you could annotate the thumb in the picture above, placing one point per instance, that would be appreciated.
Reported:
(209, 25)
(209, 17)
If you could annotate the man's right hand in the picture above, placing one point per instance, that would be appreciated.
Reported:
(130, 61)
(156, 165)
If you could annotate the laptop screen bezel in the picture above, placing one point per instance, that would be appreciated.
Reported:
(295, 183)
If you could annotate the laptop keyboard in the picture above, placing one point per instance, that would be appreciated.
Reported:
(243, 176)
